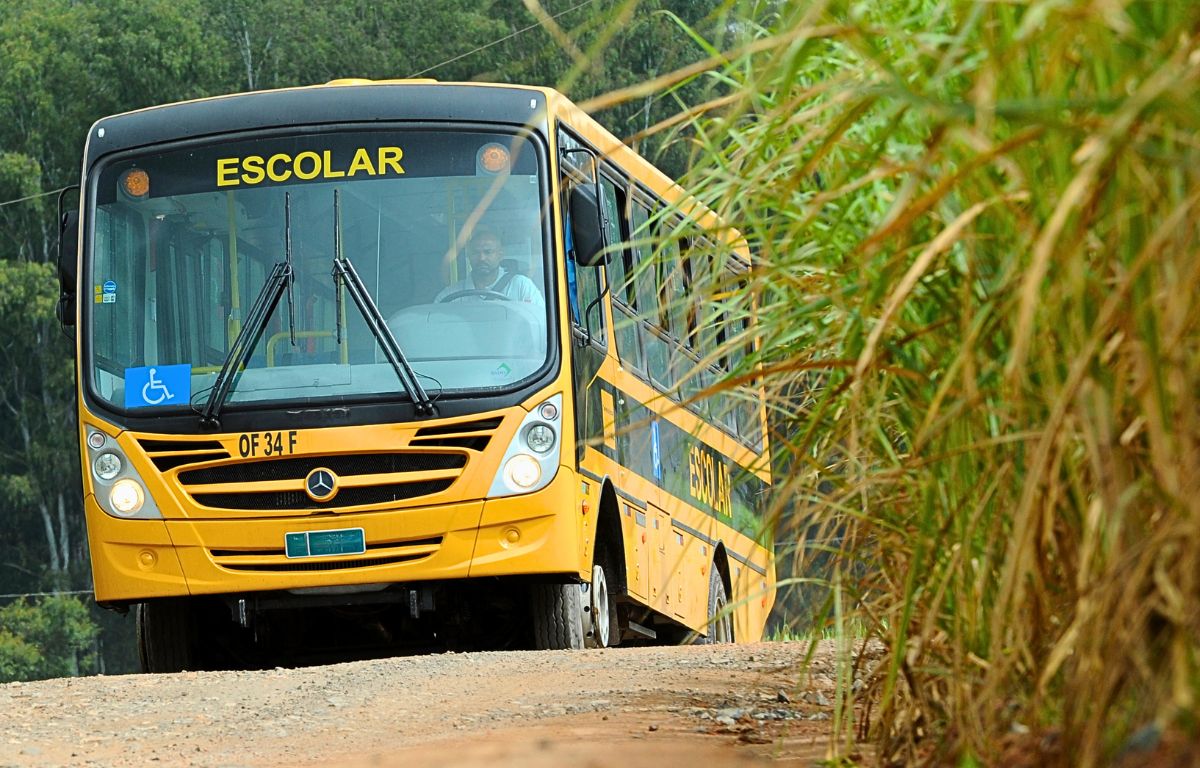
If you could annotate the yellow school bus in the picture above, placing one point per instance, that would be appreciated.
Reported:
(371, 364)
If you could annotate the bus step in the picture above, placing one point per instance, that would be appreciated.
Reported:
(644, 631)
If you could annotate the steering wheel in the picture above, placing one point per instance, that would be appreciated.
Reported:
(482, 293)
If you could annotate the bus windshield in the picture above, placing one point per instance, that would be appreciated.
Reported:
(445, 228)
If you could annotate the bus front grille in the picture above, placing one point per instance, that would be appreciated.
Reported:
(298, 500)
(427, 464)
(362, 479)
(472, 434)
(168, 454)
(298, 467)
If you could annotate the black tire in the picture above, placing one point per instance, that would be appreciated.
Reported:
(165, 635)
(719, 627)
(557, 616)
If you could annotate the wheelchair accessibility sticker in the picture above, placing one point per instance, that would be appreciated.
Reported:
(158, 385)
(106, 293)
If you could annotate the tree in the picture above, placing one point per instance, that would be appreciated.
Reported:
(282, 43)
(50, 638)
(619, 43)
(64, 64)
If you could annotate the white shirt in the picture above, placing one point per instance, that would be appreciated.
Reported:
(519, 288)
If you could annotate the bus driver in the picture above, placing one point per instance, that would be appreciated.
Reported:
(484, 253)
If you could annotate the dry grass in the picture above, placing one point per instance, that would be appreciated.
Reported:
(976, 226)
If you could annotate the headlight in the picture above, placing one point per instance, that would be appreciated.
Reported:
(531, 460)
(539, 437)
(126, 496)
(107, 466)
(522, 471)
(119, 489)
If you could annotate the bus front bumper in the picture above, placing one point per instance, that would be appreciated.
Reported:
(134, 560)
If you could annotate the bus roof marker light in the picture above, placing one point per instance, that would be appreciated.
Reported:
(135, 183)
(493, 158)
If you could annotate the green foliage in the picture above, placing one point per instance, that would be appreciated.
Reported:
(279, 43)
(975, 233)
(28, 292)
(54, 637)
(64, 64)
(18, 659)
(617, 44)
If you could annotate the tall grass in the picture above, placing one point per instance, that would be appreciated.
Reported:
(977, 268)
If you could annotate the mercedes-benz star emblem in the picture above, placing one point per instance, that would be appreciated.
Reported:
(321, 484)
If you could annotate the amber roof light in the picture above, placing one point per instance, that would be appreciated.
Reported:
(135, 183)
(493, 158)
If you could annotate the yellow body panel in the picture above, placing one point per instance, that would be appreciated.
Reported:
(669, 545)
(528, 534)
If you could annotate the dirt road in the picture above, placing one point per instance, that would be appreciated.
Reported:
(624, 707)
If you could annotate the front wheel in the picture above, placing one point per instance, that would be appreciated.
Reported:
(165, 635)
(720, 621)
(600, 612)
(557, 616)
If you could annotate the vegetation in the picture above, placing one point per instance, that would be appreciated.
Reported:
(975, 230)
(976, 233)
(64, 64)
(52, 638)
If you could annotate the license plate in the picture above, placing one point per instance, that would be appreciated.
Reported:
(346, 541)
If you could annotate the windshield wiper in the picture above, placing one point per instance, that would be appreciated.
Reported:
(344, 274)
(281, 278)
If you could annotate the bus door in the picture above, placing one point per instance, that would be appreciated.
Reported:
(589, 344)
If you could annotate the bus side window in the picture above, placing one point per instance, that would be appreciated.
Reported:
(674, 301)
(645, 284)
(673, 292)
(745, 405)
(118, 338)
(701, 288)
(583, 283)
(629, 347)
(588, 285)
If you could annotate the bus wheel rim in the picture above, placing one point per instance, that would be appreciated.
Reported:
(599, 605)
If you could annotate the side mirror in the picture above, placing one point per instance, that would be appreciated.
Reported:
(587, 225)
(68, 266)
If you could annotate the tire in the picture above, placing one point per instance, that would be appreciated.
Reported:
(719, 627)
(165, 635)
(557, 616)
(601, 628)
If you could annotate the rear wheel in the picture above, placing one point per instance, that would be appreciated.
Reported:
(165, 635)
(720, 620)
(557, 616)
